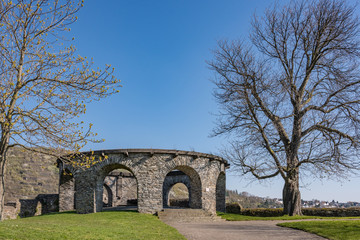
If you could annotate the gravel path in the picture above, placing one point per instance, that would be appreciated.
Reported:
(243, 230)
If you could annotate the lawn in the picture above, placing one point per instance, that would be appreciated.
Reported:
(103, 225)
(238, 217)
(335, 230)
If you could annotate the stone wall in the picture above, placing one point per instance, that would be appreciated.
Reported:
(28, 174)
(11, 209)
(42, 204)
(32, 176)
(150, 168)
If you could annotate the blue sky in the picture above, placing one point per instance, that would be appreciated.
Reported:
(159, 49)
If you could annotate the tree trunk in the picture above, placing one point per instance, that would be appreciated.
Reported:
(3, 150)
(2, 183)
(291, 196)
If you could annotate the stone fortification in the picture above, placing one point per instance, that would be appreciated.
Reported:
(82, 188)
(32, 181)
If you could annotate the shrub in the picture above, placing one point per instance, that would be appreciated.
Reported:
(233, 207)
(332, 212)
(275, 212)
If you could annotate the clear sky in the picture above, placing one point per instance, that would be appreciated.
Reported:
(159, 49)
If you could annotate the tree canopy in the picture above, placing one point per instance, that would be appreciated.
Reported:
(290, 96)
(44, 84)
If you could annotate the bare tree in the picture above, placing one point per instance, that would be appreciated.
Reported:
(44, 84)
(291, 94)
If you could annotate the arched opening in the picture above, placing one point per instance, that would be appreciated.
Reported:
(107, 196)
(188, 177)
(220, 192)
(118, 189)
(178, 196)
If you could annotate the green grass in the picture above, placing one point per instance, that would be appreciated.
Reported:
(103, 225)
(238, 217)
(335, 230)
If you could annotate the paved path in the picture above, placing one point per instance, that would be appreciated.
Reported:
(242, 230)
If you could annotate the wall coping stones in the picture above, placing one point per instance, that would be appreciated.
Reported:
(158, 151)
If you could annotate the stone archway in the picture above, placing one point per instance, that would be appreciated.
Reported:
(107, 196)
(178, 196)
(170, 180)
(191, 179)
(150, 168)
(103, 173)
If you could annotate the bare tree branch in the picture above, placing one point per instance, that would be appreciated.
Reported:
(290, 97)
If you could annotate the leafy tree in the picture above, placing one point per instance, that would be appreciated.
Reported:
(290, 95)
(44, 84)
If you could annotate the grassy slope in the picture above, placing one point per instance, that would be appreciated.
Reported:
(335, 230)
(104, 225)
(238, 217)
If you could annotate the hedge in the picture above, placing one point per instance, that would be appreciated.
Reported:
(233, 208)
(332, 212)
(274, 212)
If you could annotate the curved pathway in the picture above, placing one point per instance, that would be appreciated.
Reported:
(242, 230)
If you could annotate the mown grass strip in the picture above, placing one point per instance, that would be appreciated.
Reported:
(239, 217)
(334, 230)
(103, 225)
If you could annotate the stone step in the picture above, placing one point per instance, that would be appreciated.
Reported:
(187, 220)
(187, 215)
(184, 212)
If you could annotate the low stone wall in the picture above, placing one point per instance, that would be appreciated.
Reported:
(11, 210)
(42, 204)
(179, 203)
(29, 208)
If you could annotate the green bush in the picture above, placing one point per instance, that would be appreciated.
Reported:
(332, 212)
(275, 212)
(233, 207)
